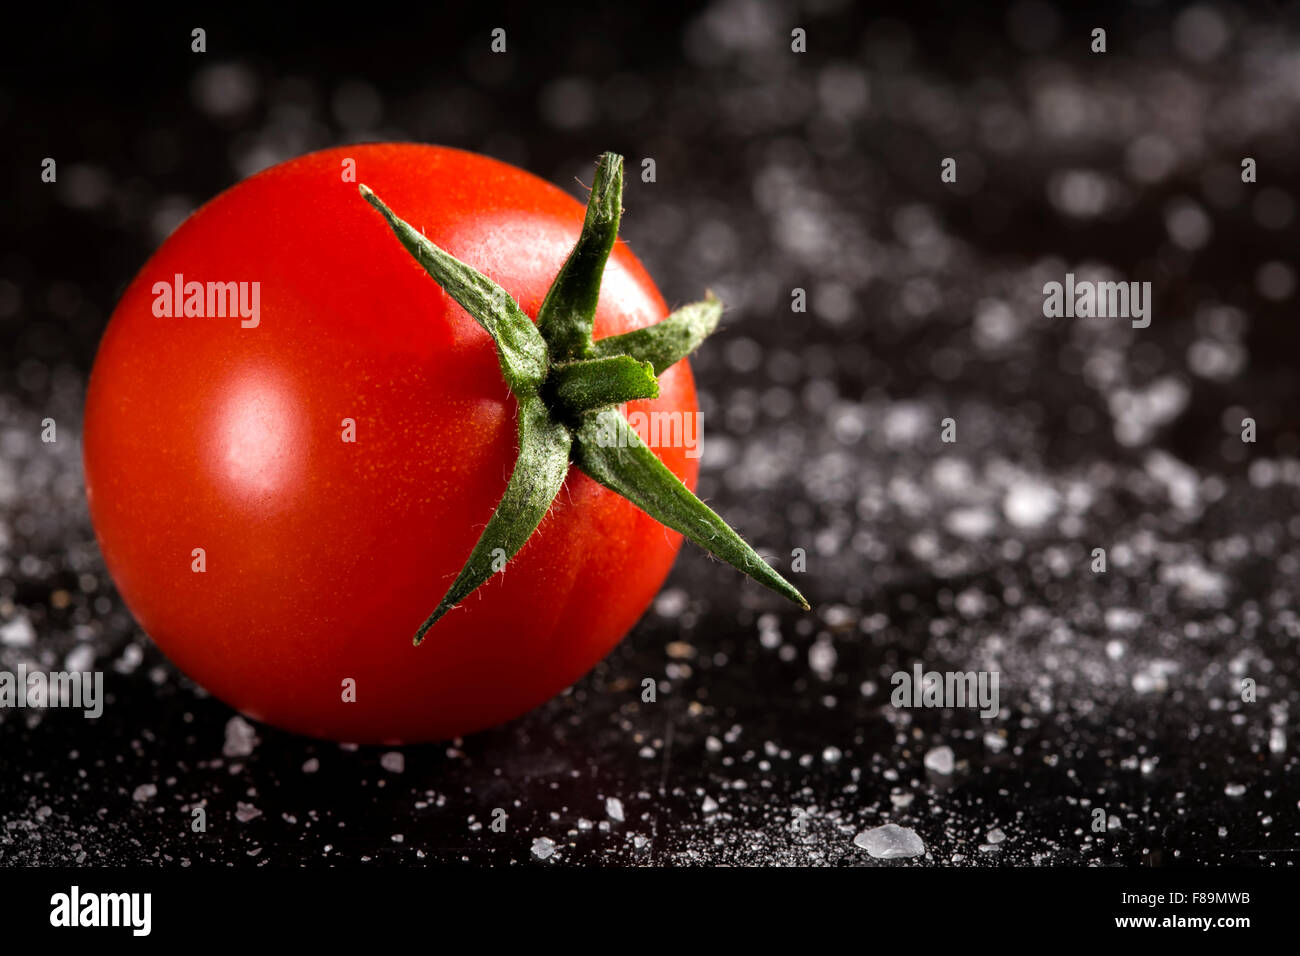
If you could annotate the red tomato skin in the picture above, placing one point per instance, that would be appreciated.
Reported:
(323, 556)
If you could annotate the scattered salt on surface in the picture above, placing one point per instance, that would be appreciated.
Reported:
(1029, 503)
(129, 660)
(241, 738)
(1153, 677)
(1180, 481)
(940, 760)
(906, 422)
(971, 523)
(995, 742)
(1196, 583)
(890, 842)
(614, 809)
(80, 659)
(971, 603)
(18, 632)
(671, 602)
(821, 659)
(1123, 619)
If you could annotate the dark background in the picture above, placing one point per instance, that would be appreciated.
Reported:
(1120, 691)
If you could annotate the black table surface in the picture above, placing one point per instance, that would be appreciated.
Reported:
(773, 739)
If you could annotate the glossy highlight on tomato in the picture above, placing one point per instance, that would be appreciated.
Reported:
(272, 560)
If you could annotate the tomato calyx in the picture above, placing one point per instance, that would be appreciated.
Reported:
(575, 388)
(568, 389)
(568, 312)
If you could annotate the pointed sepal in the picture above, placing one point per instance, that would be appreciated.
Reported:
(580, 387)
(569, 309)
(539, 473)
(669, 340)
(608, 450)
(520, 347)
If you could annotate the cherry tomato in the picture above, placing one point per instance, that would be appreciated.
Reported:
(281, 504)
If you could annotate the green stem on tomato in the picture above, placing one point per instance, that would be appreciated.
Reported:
(521, 349)
(569, 310)
(610, 452)
(580, 387)
(566, 387)
(539, 473)
(668, 341)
